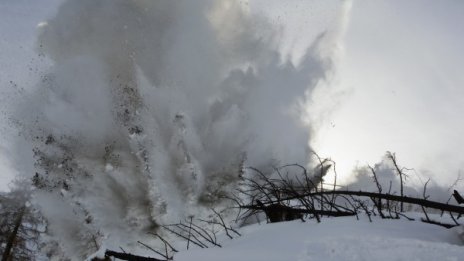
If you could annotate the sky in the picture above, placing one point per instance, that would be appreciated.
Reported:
(397, 84)
(401, 88)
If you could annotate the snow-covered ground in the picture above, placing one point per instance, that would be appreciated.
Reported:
(336, 239)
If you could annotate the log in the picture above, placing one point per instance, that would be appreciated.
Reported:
(411, 200)
(458, 197)
(279, 212)
(129, 257)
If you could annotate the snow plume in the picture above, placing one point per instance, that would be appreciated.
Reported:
(151, 110)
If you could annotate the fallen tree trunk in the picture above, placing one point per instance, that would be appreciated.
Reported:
(129, 257)
(416, 201)
(284, 210)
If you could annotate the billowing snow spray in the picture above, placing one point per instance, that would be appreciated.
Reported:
(153, 108)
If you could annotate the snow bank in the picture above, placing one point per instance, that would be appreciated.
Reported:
(336, 239)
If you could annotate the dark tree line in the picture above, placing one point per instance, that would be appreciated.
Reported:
(20, 227)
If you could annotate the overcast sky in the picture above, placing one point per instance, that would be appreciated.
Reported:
(399, 84)
(402, 74)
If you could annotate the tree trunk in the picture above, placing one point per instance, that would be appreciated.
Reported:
(129, 257)
(416, 201)
(11, 239)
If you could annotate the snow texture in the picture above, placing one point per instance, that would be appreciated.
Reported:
(341, 239)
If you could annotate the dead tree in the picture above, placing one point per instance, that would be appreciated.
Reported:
(282, 198)
(401, 173)
(411, 200)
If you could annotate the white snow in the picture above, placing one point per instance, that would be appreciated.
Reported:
(336, 239)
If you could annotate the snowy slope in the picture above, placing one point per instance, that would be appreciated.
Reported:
(336, 239)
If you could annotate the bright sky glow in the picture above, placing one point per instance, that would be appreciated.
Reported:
(403, 88)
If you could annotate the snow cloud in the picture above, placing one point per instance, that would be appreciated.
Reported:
(152, 108)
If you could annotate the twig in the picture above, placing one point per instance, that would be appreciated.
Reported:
(164, 240)
(154, 250)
